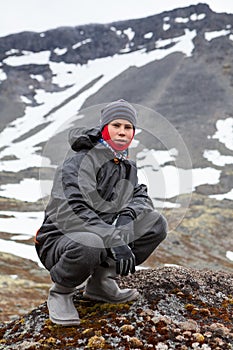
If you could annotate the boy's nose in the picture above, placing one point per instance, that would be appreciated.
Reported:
(122, 129)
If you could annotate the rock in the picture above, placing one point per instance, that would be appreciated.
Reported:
(161, 346)
(180, 338)
(127, 328)
(219, 329)
(19, 295)
(135, 342)
(161, 319)
(189, 325)
(198, 337)
(142, 324)
(96, 342)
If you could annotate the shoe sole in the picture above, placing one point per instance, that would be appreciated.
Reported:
(66, 323)
(97, 297)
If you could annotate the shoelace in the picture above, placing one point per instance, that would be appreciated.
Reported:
(117, 155)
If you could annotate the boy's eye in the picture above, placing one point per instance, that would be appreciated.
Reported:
(116, 125)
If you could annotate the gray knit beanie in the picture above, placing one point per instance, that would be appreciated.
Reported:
(119, 109)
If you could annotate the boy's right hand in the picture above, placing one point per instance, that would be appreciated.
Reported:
(126, 224)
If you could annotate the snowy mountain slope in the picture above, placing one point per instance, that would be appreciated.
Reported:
(178, 63)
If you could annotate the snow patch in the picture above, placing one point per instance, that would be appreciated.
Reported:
(60, 52)
(14, 277)
(3, 75)
(224, 132)
(229, 255)
(166, 26)
(130, 33)
(148, 35)
(216, 158)
(215, 34)
(228, 195)
(197, 17)
(12, 52)
(157, 158)
(183, 44)
(22, 250)
(169, 181)
(38, 77)
(20, 238)
(28, 57)
(83, 42)
(26, 223)
(26, 190)
(25, 100)
(181, 20)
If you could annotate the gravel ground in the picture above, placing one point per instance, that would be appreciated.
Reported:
(178, 308)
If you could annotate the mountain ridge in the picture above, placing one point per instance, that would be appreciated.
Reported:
(101, 40)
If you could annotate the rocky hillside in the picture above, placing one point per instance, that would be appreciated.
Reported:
(192, 91)
(179, 308)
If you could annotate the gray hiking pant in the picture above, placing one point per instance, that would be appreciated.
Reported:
(71, 260)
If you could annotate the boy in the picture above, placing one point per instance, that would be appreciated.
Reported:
(99, 222)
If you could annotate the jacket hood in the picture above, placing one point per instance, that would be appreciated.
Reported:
(84, 138)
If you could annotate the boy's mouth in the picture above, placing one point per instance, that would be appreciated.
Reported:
(121, 141)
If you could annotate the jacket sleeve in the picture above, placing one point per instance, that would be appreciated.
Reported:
(77, 212)
(140, 202)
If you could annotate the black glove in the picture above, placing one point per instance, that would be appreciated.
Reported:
(126, 225)
(125, 259)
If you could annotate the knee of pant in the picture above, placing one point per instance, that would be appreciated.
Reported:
(87, 239)
(85, 257)
(161, 226)
(84, 244)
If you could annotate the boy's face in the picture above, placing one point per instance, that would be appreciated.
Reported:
(121, 131)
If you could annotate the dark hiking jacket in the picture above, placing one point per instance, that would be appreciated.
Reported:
(90, 190)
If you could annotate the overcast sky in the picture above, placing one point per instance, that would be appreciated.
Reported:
(40, 15)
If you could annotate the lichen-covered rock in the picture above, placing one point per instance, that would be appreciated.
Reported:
(162, 318)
